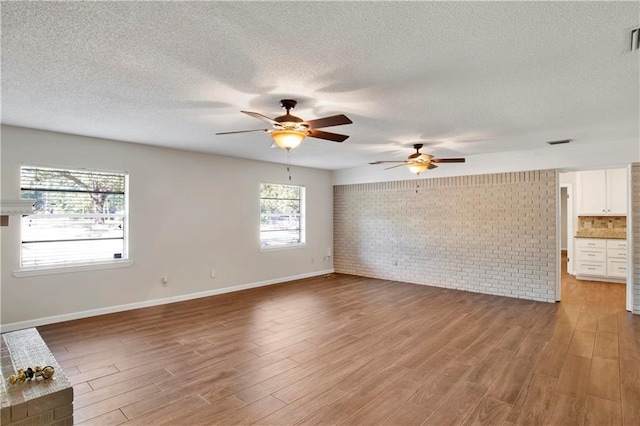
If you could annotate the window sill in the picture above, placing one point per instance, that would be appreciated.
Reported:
(287, 247)
(79, 267)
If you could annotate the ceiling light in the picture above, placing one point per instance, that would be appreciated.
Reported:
(417, 167)
(288, 139)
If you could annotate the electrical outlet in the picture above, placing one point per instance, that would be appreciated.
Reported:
(213, 273)
(165, 281)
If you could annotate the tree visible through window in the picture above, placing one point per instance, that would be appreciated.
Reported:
(281, 215)
(79, 217)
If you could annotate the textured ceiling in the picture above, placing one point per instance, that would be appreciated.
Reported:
(463, 78)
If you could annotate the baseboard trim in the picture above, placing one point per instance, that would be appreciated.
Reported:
(155, 302)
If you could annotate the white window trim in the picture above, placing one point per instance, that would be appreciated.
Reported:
(303, 224)
(81, 266)
(291, 246)
(76, 267)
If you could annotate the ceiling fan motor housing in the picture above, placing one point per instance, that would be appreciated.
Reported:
(418, 156)
(288, 118)
(288, 104)
(289, 121)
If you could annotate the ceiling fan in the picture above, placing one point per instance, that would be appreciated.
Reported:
(419, 162)
(288, 130)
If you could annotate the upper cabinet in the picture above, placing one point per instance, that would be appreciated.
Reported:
(617, 192)
(602, 192)
(592, 192)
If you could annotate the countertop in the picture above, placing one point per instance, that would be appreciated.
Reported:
(609, 234)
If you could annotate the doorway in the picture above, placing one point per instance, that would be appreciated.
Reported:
(566, 225)
(569, 289)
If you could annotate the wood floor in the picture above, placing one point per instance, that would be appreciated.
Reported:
(355, 351)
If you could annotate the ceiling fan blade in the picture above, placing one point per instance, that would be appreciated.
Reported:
(243, 131)
(334, 120)
(380, 162)
(431, 166)
(334, 137)
(447, 160)
(393, 167)
(261, 117)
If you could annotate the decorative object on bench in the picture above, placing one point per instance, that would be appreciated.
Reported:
(38, 396)
(31, 373)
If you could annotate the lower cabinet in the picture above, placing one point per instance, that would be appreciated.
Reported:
(601, 259)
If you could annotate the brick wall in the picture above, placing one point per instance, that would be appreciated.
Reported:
(493, 234)
(635, 209)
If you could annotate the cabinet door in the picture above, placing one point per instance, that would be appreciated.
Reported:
(617, 192)
(592, 187)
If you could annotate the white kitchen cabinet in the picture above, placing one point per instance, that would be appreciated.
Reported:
(600, 259)
(592, 192)
(617, 244)
(602, 192)
(594, 269)
(591, 257)
(617, 268)
(617, 258)
(617, 192)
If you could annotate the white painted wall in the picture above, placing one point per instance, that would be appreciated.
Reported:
(189, 213)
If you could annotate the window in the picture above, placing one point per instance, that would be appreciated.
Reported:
(281, 215)
(80, 217)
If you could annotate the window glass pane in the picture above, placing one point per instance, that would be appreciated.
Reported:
(70, 252)
(79, 217)
(281, 215)
(60, 227)
(70, 180)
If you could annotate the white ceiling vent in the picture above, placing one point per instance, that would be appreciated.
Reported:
(560, 142)
(635, 39)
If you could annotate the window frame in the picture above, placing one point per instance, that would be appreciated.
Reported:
(77, 266)
(303, 218)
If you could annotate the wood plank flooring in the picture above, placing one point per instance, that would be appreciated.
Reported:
(351, 350)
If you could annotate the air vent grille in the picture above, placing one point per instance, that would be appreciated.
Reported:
(559, 142)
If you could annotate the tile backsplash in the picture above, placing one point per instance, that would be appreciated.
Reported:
(602, 222)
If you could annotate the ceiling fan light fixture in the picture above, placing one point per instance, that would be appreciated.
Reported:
(288, 139)
(419, 162)
(417, 167)
(288, 130)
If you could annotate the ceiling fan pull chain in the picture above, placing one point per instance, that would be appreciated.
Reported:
(289, 163)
